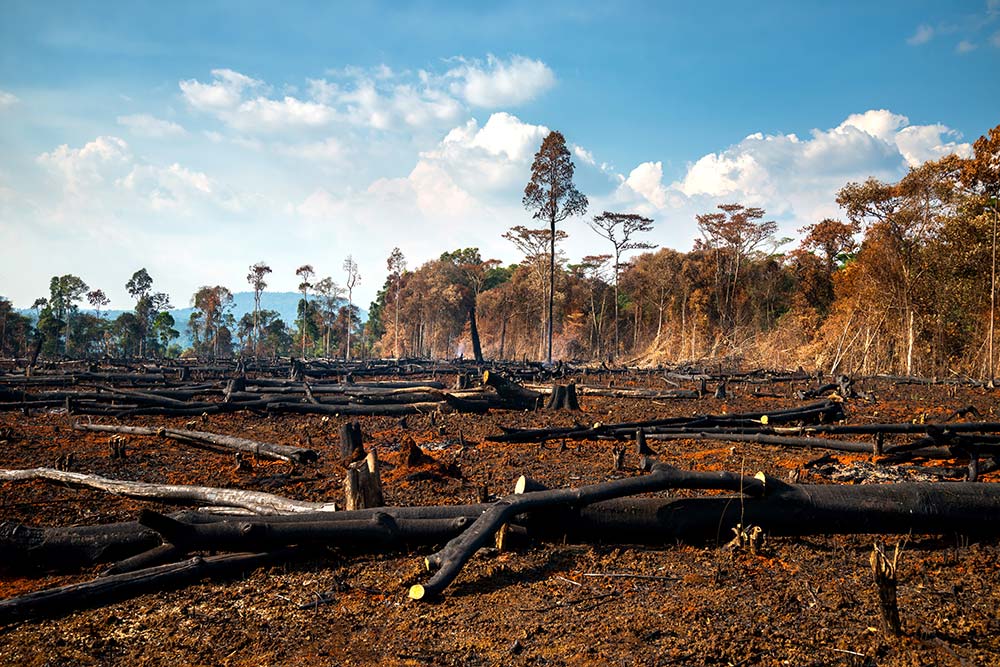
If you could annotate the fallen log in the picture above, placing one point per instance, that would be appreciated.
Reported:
(825, 411)
(766, 439)
(776, 507)
(513, 394)
(255, 501)
(255, 447)
(105, 590)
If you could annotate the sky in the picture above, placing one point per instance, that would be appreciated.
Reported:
(197, 138)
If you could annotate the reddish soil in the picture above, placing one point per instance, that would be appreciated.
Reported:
(801, 602)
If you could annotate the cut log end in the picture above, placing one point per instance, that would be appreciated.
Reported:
(417, 592)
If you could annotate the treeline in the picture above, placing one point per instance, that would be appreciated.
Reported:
(60, 329)
(903, 283)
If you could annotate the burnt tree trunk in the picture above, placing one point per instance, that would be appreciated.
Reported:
(351, 447)
(477, 348)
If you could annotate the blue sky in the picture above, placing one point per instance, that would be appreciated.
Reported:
(197, 138)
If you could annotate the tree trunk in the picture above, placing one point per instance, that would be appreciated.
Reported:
(351, 445)
(247, 446)
(363, 484)
(477, 349)
(552, 278)
(254, 501)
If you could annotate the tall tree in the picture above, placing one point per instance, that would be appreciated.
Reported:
(305, 273)
(552, 196)
(353, 278)
(147, 305)
(982, 174)
(256, 279)
(214, 304)
(97, 299)
(330, 294)
(619, 229)
(163, 331)
(397, 266)
(64, 293)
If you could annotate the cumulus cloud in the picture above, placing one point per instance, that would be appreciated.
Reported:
(7, 99)
(793, 178)
(96, 163)
(920, 143)
(490, 157)
(104, 174)
(647, 180)
(965, 46)
(498, 83)
(224, 92)
(379, 98)
(149, 126)
(923, 35)
(268, 115)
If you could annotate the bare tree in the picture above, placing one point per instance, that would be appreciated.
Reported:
(619, 228)
(552, 196)
(256, 280)
(353, 278)
(304, 272)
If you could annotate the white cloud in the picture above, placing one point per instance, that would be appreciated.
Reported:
(149, 126)
(104, 176)
(7, 99)
(267, 115)
(647, 181)
(96, 163)
(879, 123)
(920, 143)
(501, 83)
(489, 157)
(223, 93)
(923, 35)
(584, 155)
(794, 179)
(965, 46)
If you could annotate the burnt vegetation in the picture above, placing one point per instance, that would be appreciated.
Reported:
(629, 447)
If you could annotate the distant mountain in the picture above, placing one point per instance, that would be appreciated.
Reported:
(285, 303)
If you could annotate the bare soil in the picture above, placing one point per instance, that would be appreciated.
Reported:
(799, 602)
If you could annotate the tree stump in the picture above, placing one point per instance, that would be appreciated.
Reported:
(563, 397)
(351, 447)
(884, 571)
(363, 484)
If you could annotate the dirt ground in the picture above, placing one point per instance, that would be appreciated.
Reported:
(802, 601)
